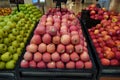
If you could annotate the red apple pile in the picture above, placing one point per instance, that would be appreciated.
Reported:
(106, 39)
(99, 13)
(57, 42)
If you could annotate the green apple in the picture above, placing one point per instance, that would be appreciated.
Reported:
(19, 38)
(15, 56)
(7, 28)
(6, 56)
(15, 31)
(22, 45)
(1, 18)
(6, 19)
(25, 40)
(22, 33)
(1, 32)
(27, 15)
(1, 39)
(11, 24)
(2, 65)
(10, 64)
(26, 26)
(22, 20)
(19, 51)
(23, 28)
(15, 18)
(2, 24)
(5, 33)
(20, 24)
(3, 48)
(21, 15)
(15, 43)
(7, 41)
(12, 49)
(11, 37)
(31, 16)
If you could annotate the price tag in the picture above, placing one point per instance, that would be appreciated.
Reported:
(42, 1)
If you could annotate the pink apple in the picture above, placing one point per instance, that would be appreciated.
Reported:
(36, 39)
(37, 57)
(28, 56)
(32, 48)
(24, 64)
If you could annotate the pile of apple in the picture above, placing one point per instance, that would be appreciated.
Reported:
(14, 31)
(58, 42)
(106, 39)
(99, 13)
(30, 11)
(5, 11)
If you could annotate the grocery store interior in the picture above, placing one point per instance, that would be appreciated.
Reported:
(59, 39)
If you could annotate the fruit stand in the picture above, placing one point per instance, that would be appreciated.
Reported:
(10, 50)
(100, 31)
(50, 64)
(59, 45)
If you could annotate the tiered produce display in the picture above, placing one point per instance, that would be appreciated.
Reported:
(106, 35)
(5, 11)
(14, 32)
(57, 42)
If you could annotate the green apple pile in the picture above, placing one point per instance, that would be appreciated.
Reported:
(14, 32)
(30, 11)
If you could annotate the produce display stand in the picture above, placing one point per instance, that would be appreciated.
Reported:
(83, 74)
(49, 78)
(12, 74)
(108, 71)
(8, 73)
(7, 79)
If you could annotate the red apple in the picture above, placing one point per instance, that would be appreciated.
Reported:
(32, 64)
(55, 56)
(70, 65)
(60, 64)
(65, 57)
(37, 57)
(46, 57)
(24, 64)
(105, 62)
(74, 56)
(28, 56)
(41, 64)
(51, 65)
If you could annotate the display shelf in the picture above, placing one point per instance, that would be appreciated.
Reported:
(113, 71)
(7, 79)
(78, 73)
(51, 78)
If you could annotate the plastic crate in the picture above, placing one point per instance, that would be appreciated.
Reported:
(14, 72)
(68, 73)
(113, 71)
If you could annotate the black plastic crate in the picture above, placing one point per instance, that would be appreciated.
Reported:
(50, 78)
(8, 78)
(13, 72)
(113, 71)
(68, 73)
(85, 17)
